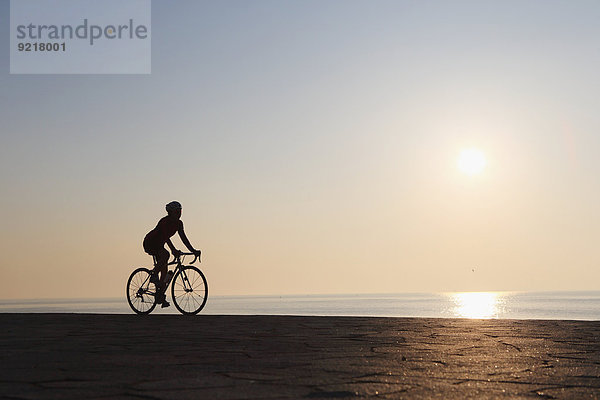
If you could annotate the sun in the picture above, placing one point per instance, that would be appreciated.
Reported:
(471, 161)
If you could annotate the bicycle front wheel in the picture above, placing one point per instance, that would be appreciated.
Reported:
(189, 290)
(141, 292)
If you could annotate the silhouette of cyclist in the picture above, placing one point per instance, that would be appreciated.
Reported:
(154, 244)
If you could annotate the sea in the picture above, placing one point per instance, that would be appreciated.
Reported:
(485, 305)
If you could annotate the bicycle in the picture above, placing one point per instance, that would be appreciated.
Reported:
(189, 289)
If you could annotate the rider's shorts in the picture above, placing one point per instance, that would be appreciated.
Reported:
(155, 249)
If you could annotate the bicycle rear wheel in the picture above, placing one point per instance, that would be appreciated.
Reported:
(189, 290)
(141, 292)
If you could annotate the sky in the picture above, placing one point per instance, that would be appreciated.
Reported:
(315, 146)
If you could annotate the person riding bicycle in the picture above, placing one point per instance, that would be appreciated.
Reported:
(154, 244)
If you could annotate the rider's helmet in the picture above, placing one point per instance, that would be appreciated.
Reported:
(172, 206)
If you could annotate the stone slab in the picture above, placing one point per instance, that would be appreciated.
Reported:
(75, 356)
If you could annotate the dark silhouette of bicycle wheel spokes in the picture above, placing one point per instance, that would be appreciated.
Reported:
(141, 292)
(189, 290)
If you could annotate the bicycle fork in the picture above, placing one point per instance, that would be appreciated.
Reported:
(187, 286)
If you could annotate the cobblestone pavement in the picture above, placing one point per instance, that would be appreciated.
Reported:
(77, 356)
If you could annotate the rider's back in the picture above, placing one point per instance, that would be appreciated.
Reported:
(166, 227)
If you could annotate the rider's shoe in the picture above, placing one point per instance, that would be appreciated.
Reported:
(165, 304)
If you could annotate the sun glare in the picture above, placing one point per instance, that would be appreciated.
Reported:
(476, 304)
(471, 161)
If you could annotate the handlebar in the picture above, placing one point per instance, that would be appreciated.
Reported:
(177, 259)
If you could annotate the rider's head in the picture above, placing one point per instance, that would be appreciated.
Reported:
(174, 208)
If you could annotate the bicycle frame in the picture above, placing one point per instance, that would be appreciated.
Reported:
(179, 266)
(179, 262)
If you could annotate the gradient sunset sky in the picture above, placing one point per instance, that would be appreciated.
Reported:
(315, 146)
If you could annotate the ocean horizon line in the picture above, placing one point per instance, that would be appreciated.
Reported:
(563, 305)
(299, 295)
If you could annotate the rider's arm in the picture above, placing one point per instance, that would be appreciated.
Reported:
(170, 244)
(185, 240)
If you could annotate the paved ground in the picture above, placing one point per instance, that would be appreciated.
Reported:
(77, 356)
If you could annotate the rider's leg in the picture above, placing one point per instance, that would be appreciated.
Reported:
(156, 252)
(162, 258)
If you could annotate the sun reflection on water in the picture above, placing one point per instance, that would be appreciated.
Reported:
(477, 304)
